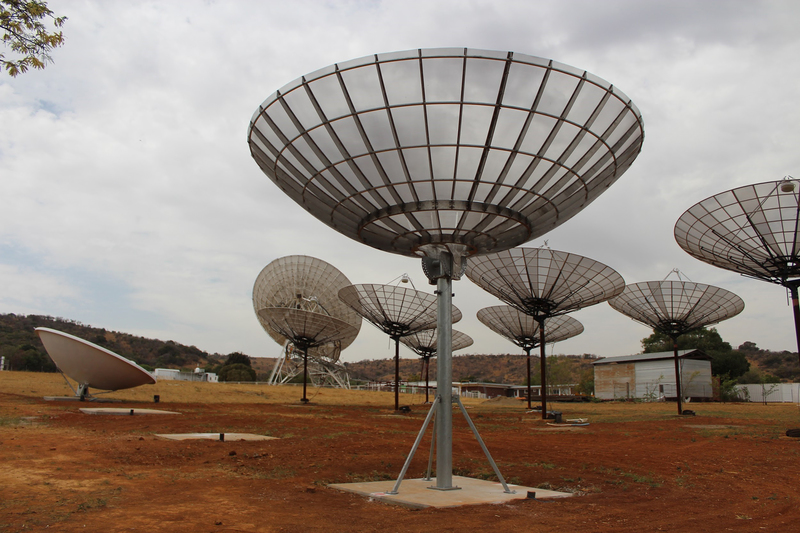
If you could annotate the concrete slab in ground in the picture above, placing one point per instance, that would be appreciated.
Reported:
(214, 436)
(124, 411)
(78, 399)
(417, 494)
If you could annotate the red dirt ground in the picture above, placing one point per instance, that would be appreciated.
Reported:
(647, 470)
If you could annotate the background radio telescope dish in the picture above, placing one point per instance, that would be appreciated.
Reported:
(523, 330)
(398, 312)
(423, 343)
(677, 307)
(476, 150)
(92, 365)
(308, 283)
(544, 283)
(305, 329)
(753, 230)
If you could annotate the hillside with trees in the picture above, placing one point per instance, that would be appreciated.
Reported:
(23, 350)
(767, 366)
(503, 368)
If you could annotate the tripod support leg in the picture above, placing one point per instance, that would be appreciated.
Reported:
(485, 449)
(431, 411)
(430, 456)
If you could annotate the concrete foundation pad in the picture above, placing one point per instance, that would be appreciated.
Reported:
(78, 399)
(213, 436)
(124, 411)
(418, 494)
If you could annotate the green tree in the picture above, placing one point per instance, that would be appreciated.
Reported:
(704, 339)
(732, 364)
(559, 371)
(237, 372)
(237, 358)
(756, 376)
(25, 33)
(35, 361)
(586, 382)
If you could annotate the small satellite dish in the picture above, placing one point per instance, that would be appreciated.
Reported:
(92, 365)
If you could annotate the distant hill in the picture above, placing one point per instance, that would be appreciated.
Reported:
(24, 351)
(504, 368)
(783, 366)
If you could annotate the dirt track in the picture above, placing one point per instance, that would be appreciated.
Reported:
(637, 467)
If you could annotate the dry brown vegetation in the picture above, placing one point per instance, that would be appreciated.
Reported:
(637, 467)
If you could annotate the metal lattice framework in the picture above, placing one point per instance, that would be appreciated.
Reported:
(308, 283)
(477, 148)
(398, 312)
(544, 283)
(306, 329)
(753, 230)
(524, 331)
(676, 307)
(424, 343)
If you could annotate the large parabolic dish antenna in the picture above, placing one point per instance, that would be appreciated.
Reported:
(676, 307)
(445, 153)
(308, 283)
(450, 146)
(753, 230)
(92, 365)
(524, 331)
(545, 283)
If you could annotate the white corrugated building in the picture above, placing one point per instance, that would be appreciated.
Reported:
(198, 375)
(651, 376)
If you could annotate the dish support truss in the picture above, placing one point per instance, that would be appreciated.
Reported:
(321, 372)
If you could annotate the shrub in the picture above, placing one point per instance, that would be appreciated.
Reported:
(237, 372)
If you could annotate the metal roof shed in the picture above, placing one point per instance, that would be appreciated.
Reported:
(651, 376)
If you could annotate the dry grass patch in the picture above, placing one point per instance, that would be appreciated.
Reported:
(37, 385)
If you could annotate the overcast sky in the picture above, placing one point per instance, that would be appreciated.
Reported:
(129, 200)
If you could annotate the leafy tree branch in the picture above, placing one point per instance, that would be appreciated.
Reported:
(26, 34)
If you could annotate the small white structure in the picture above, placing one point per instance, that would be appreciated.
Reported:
(651, 376)
(176, 375)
